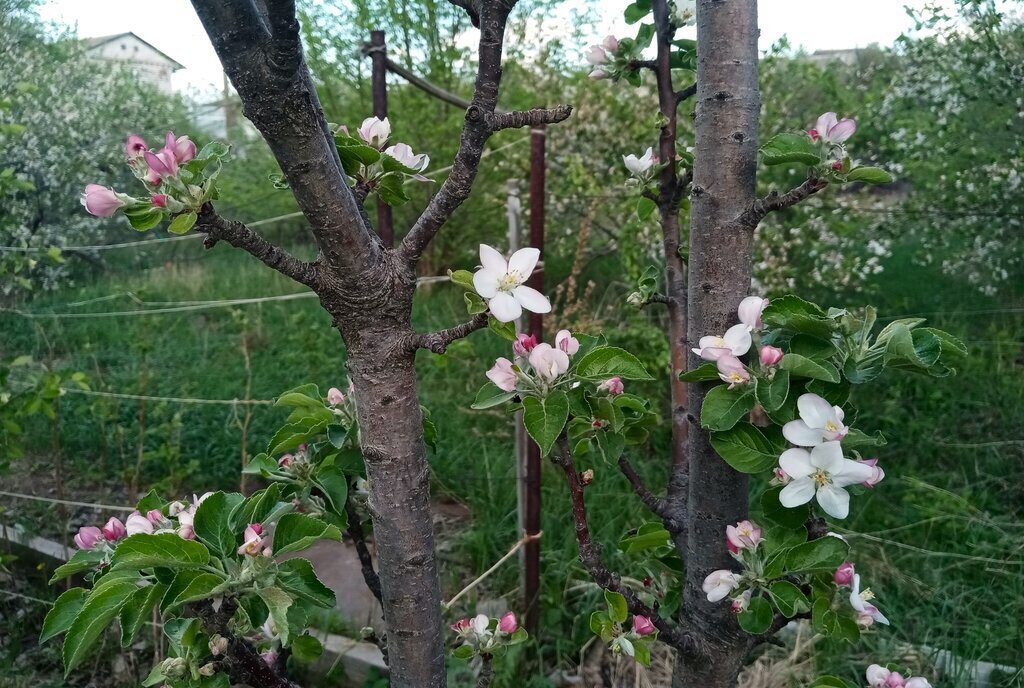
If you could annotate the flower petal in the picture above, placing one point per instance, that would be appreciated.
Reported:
(504, 307)
(825, 122)
(842, 130)
(801, 434)
(814, 410)
(492, 260)
(796, 463)
(532, 300)
(712, 353)
(737, 338)
(796, 493)
(849, 472)
(524, 261)
(835, 501)
(828, 456)
(486, 282)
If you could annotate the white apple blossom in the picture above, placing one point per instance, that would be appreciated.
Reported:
(819, 422)
(731, 370)
(867, 613)
(719, 584)
(736, 341)
(596, 55)
(639, 167)
(501, 283)
(402, 152)
(375, 131)
(685, 12)
(822, 472)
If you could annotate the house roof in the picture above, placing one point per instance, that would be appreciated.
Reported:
(97, 41)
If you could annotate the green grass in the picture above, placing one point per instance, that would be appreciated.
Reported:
(953, 463)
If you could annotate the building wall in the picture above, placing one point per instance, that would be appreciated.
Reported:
(148, 64)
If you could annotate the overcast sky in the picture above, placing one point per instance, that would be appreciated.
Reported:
(172, 26)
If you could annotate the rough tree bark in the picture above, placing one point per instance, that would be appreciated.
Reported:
(367, 289)
(728, 105)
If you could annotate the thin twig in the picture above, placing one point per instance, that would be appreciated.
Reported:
(757, 211)
(659, 505)
(438, 341)
(358, 536)
(515, 548)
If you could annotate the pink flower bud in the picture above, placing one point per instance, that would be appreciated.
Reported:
(749, 311)
(461, 626)
(218, 644)
(612, 386)
(502, 375)
(159, 200)
(183, 147)
(375, 131)
(837, 165)
(844, 574)
(740, 603)
(781, 476)
(335, 397)
(186, 533)
(642, 625)
(507, 624)
(598, 74)
(524, 344)
(596, 55)
(770, 355)
(175, 508)
(610, 43)
(137, 523)
(101, 201)
(114, 530)
(257, 528)
(877, 474)
(285, 461)
(155, 516)
(161, 164)
(587, 476)
(88, 537)
(270, 657)
(566, 342)
(135, 146)
(813, 133)
(895, 680)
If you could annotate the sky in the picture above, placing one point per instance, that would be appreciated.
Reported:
(172, 27)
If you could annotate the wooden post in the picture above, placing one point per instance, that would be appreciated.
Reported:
(378, 55)
(531, 473)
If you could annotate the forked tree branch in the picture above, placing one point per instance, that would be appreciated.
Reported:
(760, 208)
(590, 555)
(238, 235)
(438, 341)
(243, 663)
(659, 505)
(478, 127)
(686, 93)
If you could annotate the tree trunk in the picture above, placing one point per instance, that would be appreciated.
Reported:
(728, 105)
(381, 364)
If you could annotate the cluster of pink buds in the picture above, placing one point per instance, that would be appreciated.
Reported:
(881, 677)
(376, 132)
(254, 542)
(599, 56)
(484, 635)
(153, 521)
(613, 387)
(547, 362)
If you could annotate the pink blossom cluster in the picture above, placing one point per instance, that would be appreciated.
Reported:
(547, 361)
(881, 677)
(179, 520)
(725, 350)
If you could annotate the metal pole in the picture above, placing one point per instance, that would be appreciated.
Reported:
(513, 205)
(532, 472)
(378, 54)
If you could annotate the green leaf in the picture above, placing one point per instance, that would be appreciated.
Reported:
(296, 532)
(151, 500)
(810, 346)
(491, 395)
(463, 652)
(297, 578)
(136, 611)
(823, 554)
(869, 175)
(800, 366)
(214, 149)
(919, 348)
(545, 418)
(746, 448)
(724, 407)
(306, 648)
(757, 617)
(212, 522)
(277, 601)
(182, 223)
(182, 633)
(648, 536)
(618, 610)
(788, 599)
(256, 507)
(474, 304)
(794, 314)
(354, 154)
(601, 625)
(303, 396)
(703, 373)
(391, 189)
(642, 652)
(292, 435)
(857, 438)
(63, 612)
(506, 331)
(637, 11)
(144, 551)
(99, 609)
(145, 221)
(333, 482)
(645, 207)
(259, 464)
(771, 394)
(189, 586)
(82, 560)
(463, 278)
(790, 148)
(604, 362)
